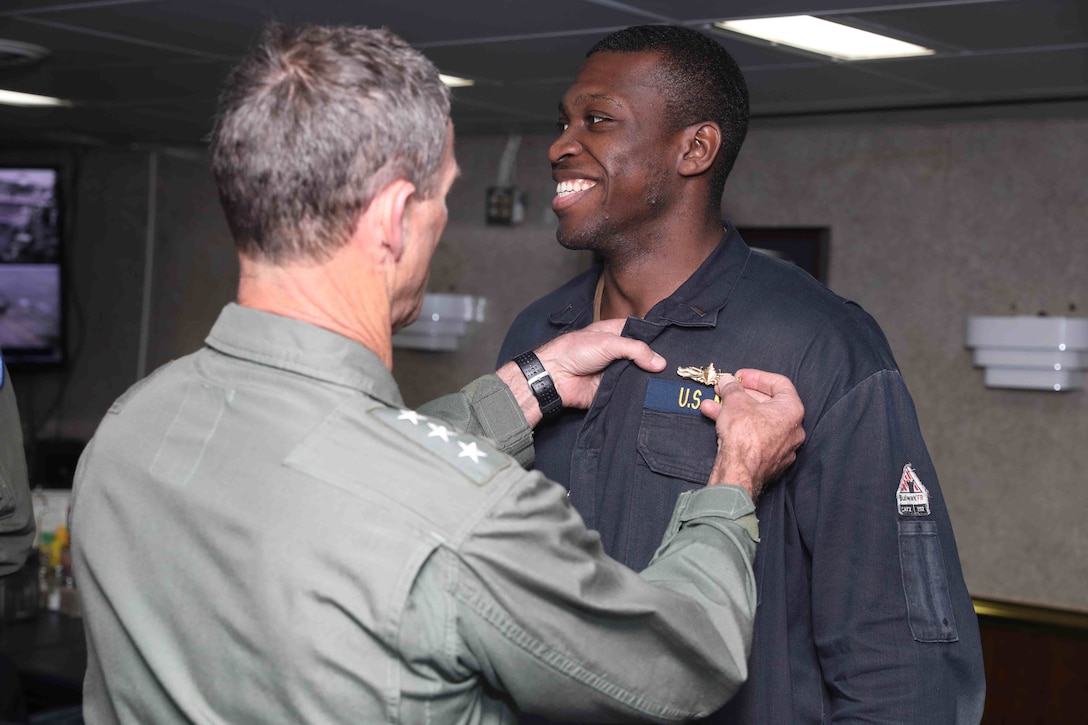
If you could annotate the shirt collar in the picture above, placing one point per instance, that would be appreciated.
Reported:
(704, 294)
(695, 304)
(577, 309)
(301, 347)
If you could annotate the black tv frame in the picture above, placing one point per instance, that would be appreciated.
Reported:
(30, 359)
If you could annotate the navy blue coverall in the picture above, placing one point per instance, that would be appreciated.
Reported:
(863, 614)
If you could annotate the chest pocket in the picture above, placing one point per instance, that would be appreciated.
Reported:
(674, 438)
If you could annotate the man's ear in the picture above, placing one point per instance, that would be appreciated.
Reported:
(702, 144)
(383, 222)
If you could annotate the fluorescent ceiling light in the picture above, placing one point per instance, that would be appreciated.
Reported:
(14, 98)
(824, 37)
(455, 82)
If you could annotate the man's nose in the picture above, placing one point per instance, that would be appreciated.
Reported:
(566, 145)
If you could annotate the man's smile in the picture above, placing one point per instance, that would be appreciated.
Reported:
(568, 192)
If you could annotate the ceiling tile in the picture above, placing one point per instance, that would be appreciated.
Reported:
(1001, 76)
(1011, 24)
(150, 70)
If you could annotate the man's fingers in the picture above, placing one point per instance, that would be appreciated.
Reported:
(593, 348)
(617, 347)
(728, 384)
(576, 360)
(710, 408)
(639, 353)
(770, 384)
(727, 381)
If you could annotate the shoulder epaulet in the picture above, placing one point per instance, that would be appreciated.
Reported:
(119, 404)
(474, 457)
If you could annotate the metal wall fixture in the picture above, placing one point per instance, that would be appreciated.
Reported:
(1030, 353)
(444, 322)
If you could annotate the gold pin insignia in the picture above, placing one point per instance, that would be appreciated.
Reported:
(707, 376)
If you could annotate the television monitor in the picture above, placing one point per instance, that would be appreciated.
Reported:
(31, 294)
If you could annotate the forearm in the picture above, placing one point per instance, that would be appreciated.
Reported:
(709, 559)
(569, 632)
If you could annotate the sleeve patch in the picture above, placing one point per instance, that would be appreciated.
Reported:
(473, 457)
(912, 496)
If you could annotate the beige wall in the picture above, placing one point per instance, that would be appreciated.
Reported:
(929, 224)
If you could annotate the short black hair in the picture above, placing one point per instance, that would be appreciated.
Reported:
(702, 81)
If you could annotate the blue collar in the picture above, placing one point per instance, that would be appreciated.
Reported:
(695, 304)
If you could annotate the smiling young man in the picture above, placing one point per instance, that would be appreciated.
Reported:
(863, 612)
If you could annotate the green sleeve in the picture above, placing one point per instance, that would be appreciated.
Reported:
(16, 508)
(486, 407)
(544, 614)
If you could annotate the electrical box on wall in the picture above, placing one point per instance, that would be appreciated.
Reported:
(505, 205)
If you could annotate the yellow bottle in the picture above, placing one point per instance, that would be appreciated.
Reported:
(60, 540)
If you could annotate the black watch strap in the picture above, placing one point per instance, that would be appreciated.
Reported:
(540, 382)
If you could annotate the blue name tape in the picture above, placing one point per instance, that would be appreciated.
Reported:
(673, 396)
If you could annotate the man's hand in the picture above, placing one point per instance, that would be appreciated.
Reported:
(575, 362)
(759, 428)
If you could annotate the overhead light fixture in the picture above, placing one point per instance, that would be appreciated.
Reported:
(824, 37)
(16, 53)
(15, 98)
(455, 82)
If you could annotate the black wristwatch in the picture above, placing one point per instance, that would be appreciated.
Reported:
(540, 382)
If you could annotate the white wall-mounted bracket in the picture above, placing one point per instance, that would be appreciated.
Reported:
(444, 321)
(1030, 353)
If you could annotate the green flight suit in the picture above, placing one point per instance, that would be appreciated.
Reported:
(262, 533)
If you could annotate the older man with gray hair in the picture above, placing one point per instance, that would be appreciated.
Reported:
(264, 533)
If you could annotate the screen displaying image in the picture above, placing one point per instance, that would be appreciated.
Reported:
(31, 309)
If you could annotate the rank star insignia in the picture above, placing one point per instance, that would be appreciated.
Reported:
(707, 376)
(469, 450)
(439, 431)
(411, 416)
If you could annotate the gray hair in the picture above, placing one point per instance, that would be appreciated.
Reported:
(312, 124)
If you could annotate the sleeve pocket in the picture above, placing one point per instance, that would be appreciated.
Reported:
(929, 607)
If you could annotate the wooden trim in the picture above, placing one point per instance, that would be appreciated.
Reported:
(1031, 614)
